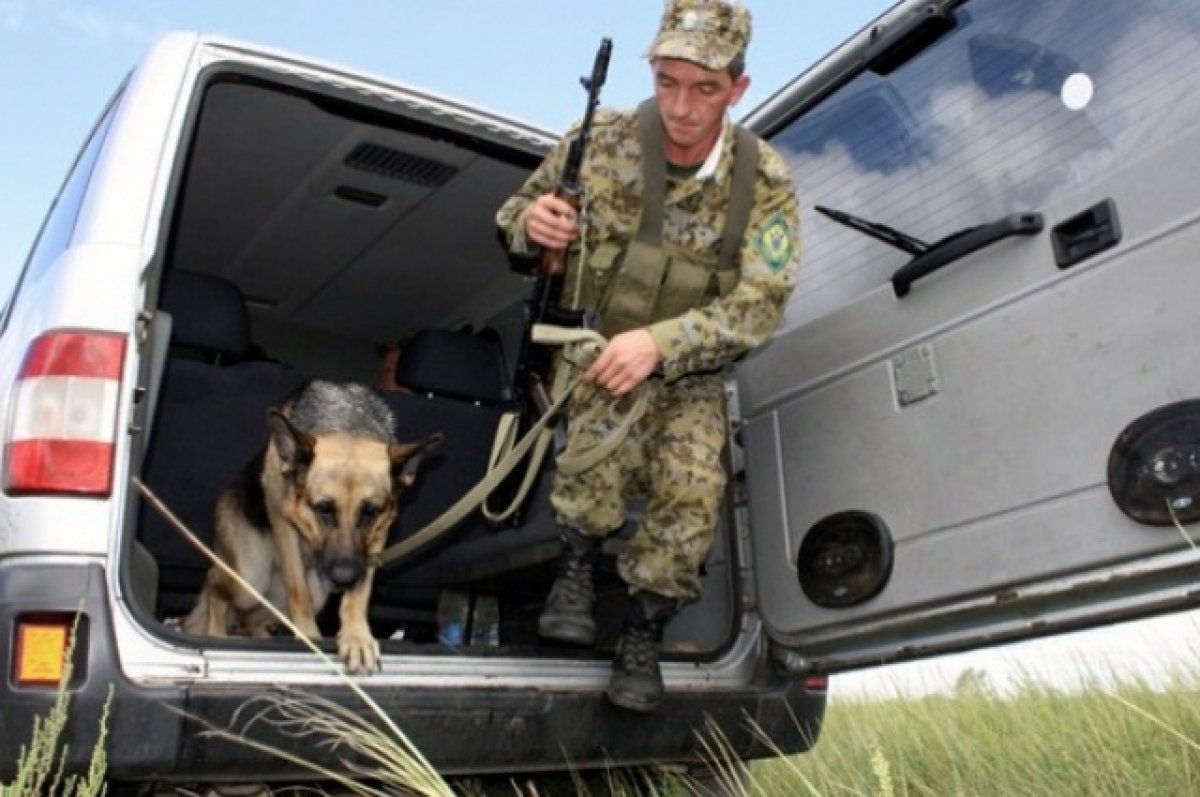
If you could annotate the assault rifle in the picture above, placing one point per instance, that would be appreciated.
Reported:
(548, 287)
(534, 360)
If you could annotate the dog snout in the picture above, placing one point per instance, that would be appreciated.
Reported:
(344, 571)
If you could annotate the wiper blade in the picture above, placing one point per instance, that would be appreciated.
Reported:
(880, 232)
(928, 258)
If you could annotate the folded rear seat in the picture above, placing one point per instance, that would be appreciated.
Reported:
(210, 421)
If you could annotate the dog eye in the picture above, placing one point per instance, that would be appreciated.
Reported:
(367, 513)
(326, 511)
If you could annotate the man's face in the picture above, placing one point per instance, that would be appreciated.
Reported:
(693, 102)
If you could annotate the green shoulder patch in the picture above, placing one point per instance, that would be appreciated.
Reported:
(775, 243)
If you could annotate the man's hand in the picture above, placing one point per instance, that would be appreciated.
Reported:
(626, 362)
(551, 222)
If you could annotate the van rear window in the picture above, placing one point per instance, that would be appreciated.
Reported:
(1024, 101)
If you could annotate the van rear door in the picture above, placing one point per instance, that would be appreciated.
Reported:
(1002, 439)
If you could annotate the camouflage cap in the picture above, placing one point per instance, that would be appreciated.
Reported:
(707, 32)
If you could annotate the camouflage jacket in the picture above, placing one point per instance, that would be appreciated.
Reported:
(714, 334)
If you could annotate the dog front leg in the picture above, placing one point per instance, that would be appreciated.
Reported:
(357, 648)
(210, 616)
(291, 571)
(217, 615)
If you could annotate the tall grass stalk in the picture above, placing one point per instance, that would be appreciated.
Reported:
(1179, 526)
(40, 763)
(399, 761)
(729, 772)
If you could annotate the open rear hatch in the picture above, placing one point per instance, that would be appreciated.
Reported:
(312, 227)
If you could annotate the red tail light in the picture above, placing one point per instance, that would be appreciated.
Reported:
(64, 419)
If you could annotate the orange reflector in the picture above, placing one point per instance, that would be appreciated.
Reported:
(41, 653)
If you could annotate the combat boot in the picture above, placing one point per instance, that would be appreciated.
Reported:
(567, 615)
(637, 682)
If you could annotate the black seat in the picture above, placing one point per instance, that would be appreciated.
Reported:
(210, 421)
(459, 388)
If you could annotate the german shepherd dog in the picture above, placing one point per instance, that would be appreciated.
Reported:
(309, 516)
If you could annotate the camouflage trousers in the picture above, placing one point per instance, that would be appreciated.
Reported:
(671, 460)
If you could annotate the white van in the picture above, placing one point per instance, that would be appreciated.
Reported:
(979, 423)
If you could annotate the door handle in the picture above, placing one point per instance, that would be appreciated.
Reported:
(1086, 234)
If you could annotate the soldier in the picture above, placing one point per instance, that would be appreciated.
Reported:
(686, 249)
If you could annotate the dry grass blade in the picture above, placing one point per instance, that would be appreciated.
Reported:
(722, 760)
(784, 758)
(1179, 526)
(393, 749)
(217, 732)
(1141, 712)
(303, 715)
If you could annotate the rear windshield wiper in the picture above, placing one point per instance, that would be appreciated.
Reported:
(928, 258)
(880, 232)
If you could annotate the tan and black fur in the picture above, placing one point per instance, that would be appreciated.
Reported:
(309, 516)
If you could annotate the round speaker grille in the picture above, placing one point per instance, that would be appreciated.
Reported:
(845, 559)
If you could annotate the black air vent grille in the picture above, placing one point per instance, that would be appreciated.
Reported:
(398, 165)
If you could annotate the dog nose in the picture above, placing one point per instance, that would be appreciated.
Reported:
(344, 573)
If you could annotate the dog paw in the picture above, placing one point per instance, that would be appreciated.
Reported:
(358, 651)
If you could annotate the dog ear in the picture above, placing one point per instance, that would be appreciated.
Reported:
(294, 446)
(406, 457)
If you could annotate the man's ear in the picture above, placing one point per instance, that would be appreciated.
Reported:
(294, 446)
(406, 458)
(739, 89)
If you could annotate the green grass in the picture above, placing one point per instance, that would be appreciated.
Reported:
(1113, 737)
(1116, 736)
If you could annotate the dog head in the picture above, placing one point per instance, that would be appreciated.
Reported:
(343, 491)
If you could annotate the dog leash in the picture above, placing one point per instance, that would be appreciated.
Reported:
(570, 463)
(549, 335)
(506, 438)
(574, 463)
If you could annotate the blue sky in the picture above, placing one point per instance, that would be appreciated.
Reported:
(61, 59)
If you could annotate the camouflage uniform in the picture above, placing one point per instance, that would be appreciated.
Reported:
(672, 457)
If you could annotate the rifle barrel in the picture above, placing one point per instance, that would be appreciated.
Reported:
(554, 261)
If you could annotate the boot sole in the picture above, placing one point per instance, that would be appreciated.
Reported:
(573, 633)
(631, 703)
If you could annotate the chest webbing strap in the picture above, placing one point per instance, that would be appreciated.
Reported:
(654, 185)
